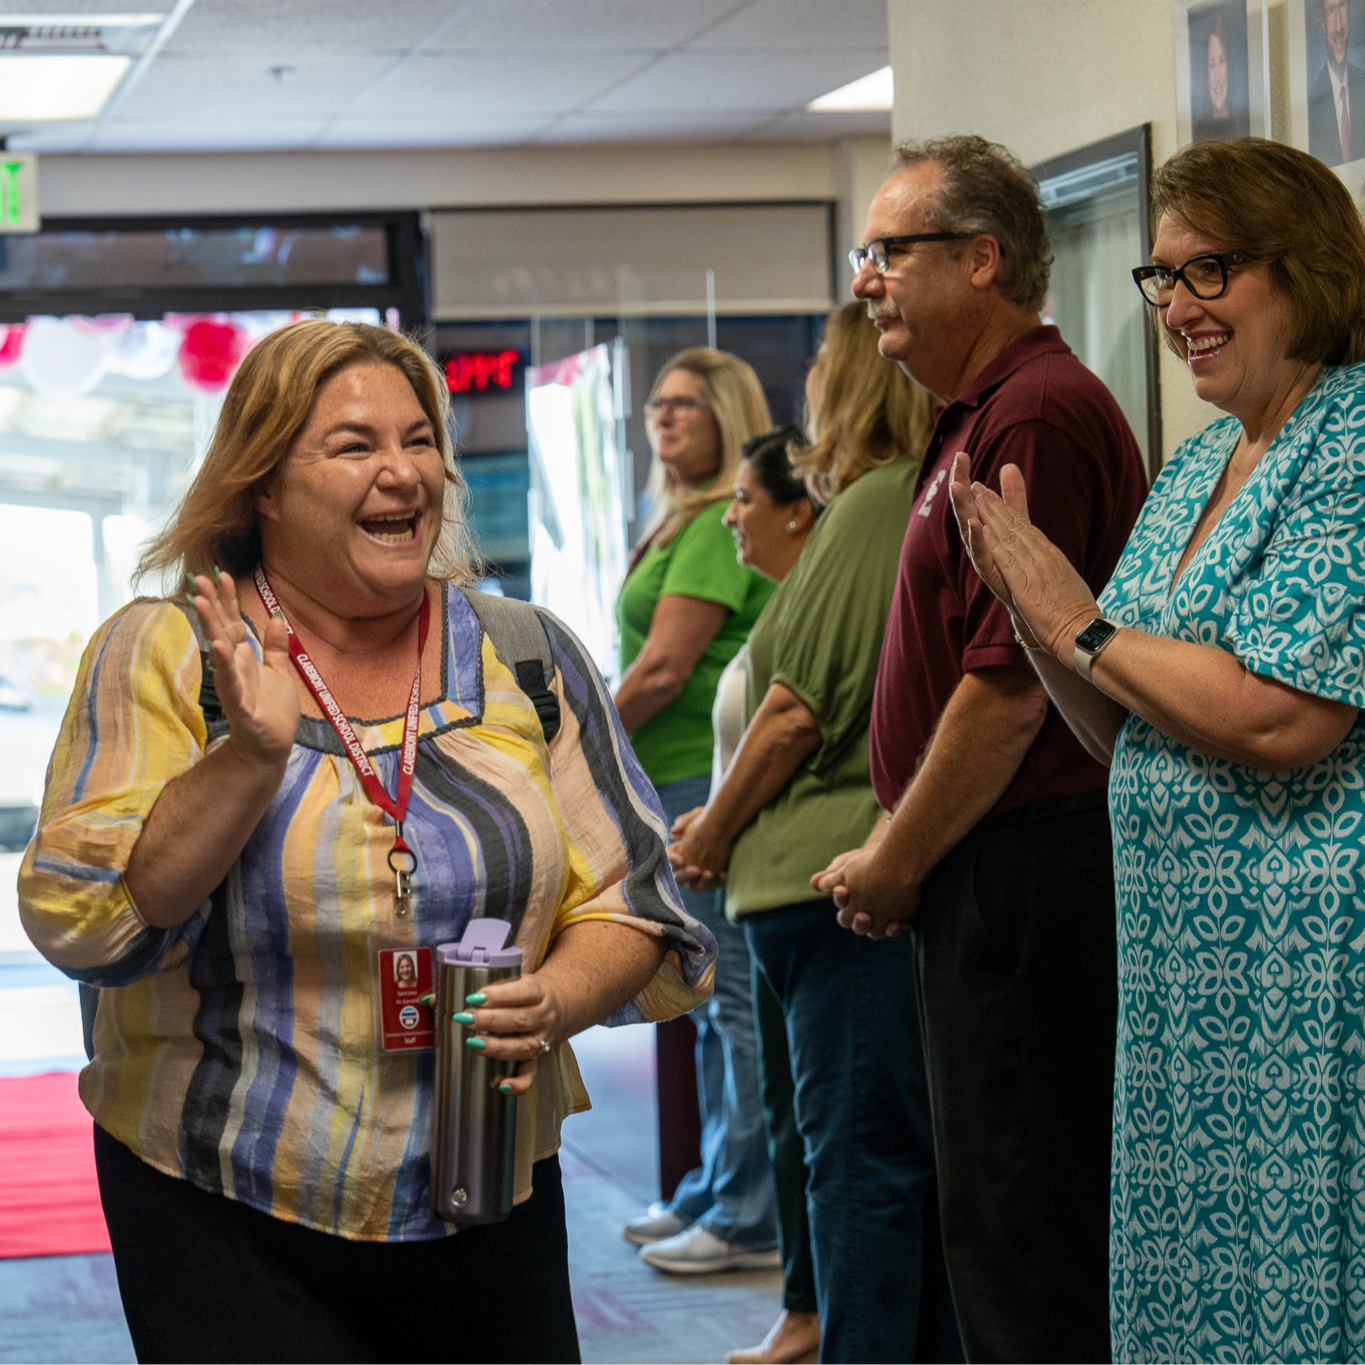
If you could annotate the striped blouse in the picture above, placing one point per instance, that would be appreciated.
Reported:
(238, 1050)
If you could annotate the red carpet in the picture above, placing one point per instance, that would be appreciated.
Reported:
(49, 1202)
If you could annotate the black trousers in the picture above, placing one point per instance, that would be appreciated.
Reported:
(203, 1277)
(1019, 992)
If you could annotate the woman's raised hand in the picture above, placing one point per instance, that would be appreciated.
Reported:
(1046, 597)
(259, 697)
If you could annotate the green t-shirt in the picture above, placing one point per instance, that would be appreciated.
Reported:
(821, 636)
(698, 562)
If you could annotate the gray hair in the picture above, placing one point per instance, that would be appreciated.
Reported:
(986, 189)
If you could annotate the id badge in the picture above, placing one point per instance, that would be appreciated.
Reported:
(402, 978)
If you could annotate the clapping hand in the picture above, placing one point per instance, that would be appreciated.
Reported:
(259, 697)
(1048, 600)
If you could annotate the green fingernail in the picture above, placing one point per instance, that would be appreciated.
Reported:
(189, 597)
(464, 1017)
(475, 1042)
(217, 574)
(505, 1088)
(478, 998)
(427, 1000)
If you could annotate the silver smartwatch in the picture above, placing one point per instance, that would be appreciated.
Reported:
(1091, 643)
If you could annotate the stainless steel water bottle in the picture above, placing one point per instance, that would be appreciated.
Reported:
(473, 1124)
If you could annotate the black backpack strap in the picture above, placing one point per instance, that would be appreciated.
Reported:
(215, 722)
(518, 635)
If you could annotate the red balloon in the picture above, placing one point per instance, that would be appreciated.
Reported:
(209, 354)
(12, 344)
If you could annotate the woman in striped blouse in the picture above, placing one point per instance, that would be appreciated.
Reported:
(262, 1128)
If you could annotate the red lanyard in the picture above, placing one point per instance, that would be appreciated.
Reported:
(395, 806)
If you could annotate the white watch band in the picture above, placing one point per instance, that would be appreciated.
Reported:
(1085, 658)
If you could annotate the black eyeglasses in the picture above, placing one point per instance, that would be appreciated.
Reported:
(879, 251)
(1206, 277)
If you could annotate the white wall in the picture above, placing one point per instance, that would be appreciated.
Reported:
(487, 177)
(1045, 77)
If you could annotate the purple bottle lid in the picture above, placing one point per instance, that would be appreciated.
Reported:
(481, 946)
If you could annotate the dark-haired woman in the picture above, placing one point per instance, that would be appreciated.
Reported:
(1221, 675)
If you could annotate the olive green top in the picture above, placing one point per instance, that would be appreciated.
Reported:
(821, 636)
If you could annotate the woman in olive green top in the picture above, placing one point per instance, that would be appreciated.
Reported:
(797, 784)
(685, 610)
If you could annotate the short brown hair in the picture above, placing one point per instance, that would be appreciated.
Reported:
(1274, 204)
(871, 413)
(987, 190)
(741, 411)
(266, 406)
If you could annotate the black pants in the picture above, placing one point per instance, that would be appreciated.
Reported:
(1019, 991)
(203, 1277)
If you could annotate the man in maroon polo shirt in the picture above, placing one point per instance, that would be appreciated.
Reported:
(998, 846)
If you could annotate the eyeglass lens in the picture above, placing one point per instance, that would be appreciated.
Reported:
(1206, 277)
(655, 406)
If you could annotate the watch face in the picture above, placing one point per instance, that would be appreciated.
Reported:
(1095, 634)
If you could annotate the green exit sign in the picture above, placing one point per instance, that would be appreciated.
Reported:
(18, 192)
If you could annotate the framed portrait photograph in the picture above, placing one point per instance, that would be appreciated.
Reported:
(1221, 69)
(1325, 83)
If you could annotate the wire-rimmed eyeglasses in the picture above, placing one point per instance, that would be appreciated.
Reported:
(879, 250)
(1206, 277)
(656, 407)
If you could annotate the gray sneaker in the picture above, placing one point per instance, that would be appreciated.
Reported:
(698, 1252)
(656, 1223)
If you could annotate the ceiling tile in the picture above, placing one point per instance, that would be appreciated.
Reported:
(504, 25)
(816, 25)
(303, 25)
(177, 88)
(735, 80)
(361, 131)
(520, 82)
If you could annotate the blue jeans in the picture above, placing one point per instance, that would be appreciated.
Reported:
(731, 1194)
(862, 1108)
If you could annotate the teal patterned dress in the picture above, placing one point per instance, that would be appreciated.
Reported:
(1238, 1226)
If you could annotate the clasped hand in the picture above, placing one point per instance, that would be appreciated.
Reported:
(870, 900)
(698, 855)
(1047, 599)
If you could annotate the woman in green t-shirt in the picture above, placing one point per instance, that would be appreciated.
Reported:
(798, 781)
(686, 608)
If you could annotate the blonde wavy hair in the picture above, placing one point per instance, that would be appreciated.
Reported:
(266, 406)
(741, 412)
(870, 413)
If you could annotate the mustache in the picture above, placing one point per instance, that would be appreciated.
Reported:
(880, 308)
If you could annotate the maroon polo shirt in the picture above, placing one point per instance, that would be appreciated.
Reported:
(1037, 406)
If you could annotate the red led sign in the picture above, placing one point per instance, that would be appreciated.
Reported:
(479, 371)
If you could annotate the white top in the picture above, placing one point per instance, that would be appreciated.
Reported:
(727, 716)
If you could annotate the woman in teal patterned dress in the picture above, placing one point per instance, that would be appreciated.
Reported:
(1224, 689)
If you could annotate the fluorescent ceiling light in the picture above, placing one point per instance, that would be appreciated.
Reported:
(867, 92)
(42, 87)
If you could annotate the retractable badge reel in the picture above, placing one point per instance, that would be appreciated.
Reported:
(473, 1124)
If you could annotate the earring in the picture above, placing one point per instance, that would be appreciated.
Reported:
(791, 526)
